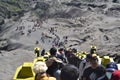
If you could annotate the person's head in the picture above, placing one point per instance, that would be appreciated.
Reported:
(93, 49)
(88, 57)
(37, 49)
(94, 62)
(110, 67)
(53, 51)
(74, 50)
(40, 67)
(69, 72)
(61, 50)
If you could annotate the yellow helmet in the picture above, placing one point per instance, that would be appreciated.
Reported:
(37, 48)
(47, 53)
(84, 52)
(93, 47)
(94, 55)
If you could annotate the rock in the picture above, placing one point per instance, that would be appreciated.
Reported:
(2, 21)
(10, 47)
(115, 1)
(7, 45)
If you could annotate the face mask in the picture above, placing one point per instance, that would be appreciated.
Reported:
(108, 74)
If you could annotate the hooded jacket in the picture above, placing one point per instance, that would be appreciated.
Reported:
(115, 75)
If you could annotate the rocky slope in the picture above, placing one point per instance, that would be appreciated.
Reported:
(25, 24)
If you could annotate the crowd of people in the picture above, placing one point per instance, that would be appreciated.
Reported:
(65, 65)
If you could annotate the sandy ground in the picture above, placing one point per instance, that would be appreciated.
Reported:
(86, 27)
(9, 61)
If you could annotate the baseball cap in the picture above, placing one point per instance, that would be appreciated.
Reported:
(111, 66)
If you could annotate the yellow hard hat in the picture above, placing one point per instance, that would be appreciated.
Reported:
(94, 55)
(84, 52)
(37, 48)
(93, 47)
(47, 53)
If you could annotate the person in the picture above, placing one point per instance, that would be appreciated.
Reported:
(99, 59)
(54, 64)
(83, 55)
(95, 71)
(115, 75)
(43, 52)
(69, 72)
(61, 55)
(84, 64)
(93, 50)
(37, 51)
(110, 68)
(40, 71)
